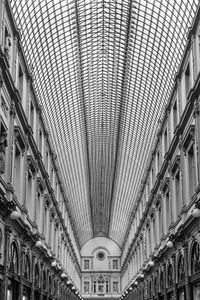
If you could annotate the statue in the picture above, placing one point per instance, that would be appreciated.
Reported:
(3, 145)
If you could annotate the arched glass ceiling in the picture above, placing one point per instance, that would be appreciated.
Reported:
(103, 73)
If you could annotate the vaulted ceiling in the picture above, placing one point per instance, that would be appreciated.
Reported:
(103, 72)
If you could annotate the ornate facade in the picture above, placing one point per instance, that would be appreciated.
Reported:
(161, 255)
(40, 256)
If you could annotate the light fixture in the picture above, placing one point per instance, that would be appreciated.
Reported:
(169, 244)
(142, 275)
(126, 292)
(38, 244)
(69, 282)
(130, 288)
(151, 263)
(53, 264)
(15, 215)
(196, 212)
(63, 275)
(73, 288)
(136, 283)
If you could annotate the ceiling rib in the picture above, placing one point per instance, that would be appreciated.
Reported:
(103, 72)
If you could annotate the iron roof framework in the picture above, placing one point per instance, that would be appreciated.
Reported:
(103, 73)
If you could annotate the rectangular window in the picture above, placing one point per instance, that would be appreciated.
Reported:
(154, 232)
(158, 161)
(20, 83)
(32, 116)
(94, 286)
(152, 177)
(168, 210)
(187, 80)
(107, 286)
(115, 264)
(17, 173)
(46, 160)
(175, 115)
(115, 287)
(37, 209)
(51, 175)
(165, 141)
(160, 221)
(178, 192)
(191, 169)
(86, 264)
(45, 221)
(86, 287)
(40, 141)
(29, 192)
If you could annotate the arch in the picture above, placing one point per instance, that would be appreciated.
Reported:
(55, 287)
(170, 273)
(14, 258)
(44, 279)
(181, 268)
(103, 243)
(162, 283)
(49, 284)
(36, 278)
(155, 284)
(195, 258)
(100, 248)
(26, 267)
(150, 288)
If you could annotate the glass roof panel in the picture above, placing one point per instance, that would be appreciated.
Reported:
(103, 73)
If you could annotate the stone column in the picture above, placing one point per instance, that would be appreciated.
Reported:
(34, 260)
(10, 147)
(25, 177)
(8, 231)
(191, 63)
(183, 173)
(187, 264)
(197, 135)
(174, 273)
(173, 198)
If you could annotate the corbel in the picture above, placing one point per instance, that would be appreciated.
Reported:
(19, 137)
(41, 184)
(165, 184)
(32, 164)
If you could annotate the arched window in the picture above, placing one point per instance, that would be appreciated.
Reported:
(100, 284)
(162, 281)
(26, 271)
(36, 277)
(14, 263)
(195, 258)
(55, 286)
(181, 268)
(49, 284)
(155, 284)
(150, 289)
(94, 286)
(107, 286)
(170, 276)
(44, 280)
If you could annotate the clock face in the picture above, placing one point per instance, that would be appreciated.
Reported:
(101, 255)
